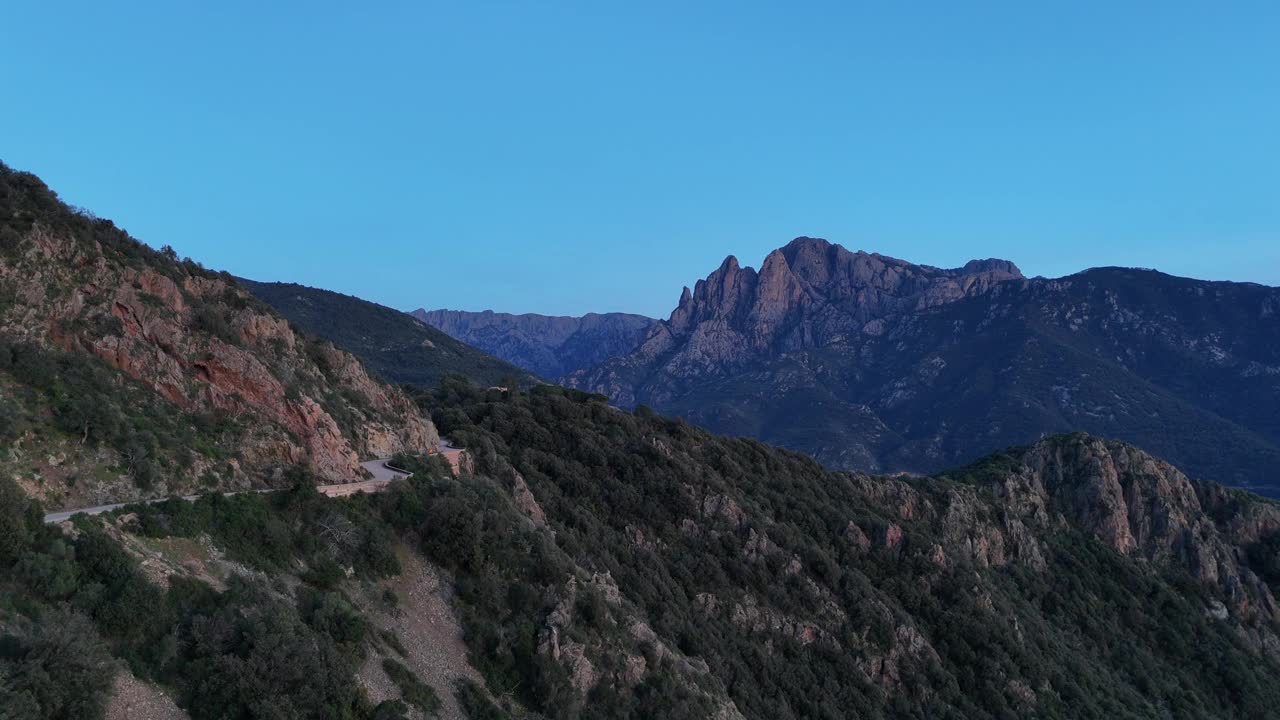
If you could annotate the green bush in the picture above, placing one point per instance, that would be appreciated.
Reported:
(54, 669)
(476, 704)
(246, 655)
(330, 613)
(414, 691)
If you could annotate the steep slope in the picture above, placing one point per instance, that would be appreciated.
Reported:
(118, 362)
(280, 605)
(614, 565)
(873, 363)
(549, 346)
(1073, 578)
(391, 343)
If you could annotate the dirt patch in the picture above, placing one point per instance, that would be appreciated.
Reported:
(63, 472)
(158, 558)
(425, 624)
(133, 699)
(375, 681)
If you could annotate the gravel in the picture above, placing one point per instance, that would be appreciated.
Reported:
(136, 700)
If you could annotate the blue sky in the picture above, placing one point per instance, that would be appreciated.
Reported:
(569, 157)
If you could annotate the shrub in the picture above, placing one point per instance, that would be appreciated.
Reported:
(414, 691)
(56, 669)
(330, 613)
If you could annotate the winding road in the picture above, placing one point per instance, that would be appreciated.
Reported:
(382, 476)
(63, 515)
(380, 472)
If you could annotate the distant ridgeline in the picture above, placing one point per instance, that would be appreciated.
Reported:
(393, 344)
(604, 563)
(867, 362)
(548, 346)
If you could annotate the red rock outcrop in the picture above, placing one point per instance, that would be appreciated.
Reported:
(203, 344)
(805, 295)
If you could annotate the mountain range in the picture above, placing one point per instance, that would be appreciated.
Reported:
(549, 346)
(584, 560)
(872, 363)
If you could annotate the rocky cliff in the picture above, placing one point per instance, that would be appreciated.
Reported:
(1138, 505)
(548, 346)
(808, 294)
(77, 286)
(867, 362)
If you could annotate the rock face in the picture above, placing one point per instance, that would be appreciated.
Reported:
(1007, 509)
(548, 346)
(1141, 506)
(196, 339)
(808, 294)
(1012, 509)
(872, 363)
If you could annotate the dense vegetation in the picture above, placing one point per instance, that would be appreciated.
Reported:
(253, 649)
(605, 564)
(391, 343)
(722, 569)
(1099, 635)
(79, 395)
(26, 201)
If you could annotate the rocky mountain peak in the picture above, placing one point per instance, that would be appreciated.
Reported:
(916, 367)
(811, 289)
(990, 265)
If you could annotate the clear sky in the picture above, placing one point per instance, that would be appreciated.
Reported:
(557, 157)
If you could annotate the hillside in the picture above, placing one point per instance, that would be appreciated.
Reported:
(868, 362)
(548, 346)
(591, 562)
(126, 372)
(396, 346)
(1072, 578)
(616, 565)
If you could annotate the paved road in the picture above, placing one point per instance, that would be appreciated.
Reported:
(380, 471)
(452, 454)
(382, 476)
(98, 509)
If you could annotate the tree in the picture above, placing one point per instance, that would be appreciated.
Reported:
(19, 519)
(56, 669)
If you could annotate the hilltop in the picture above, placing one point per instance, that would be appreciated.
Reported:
(395, 345)
(126, 371)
